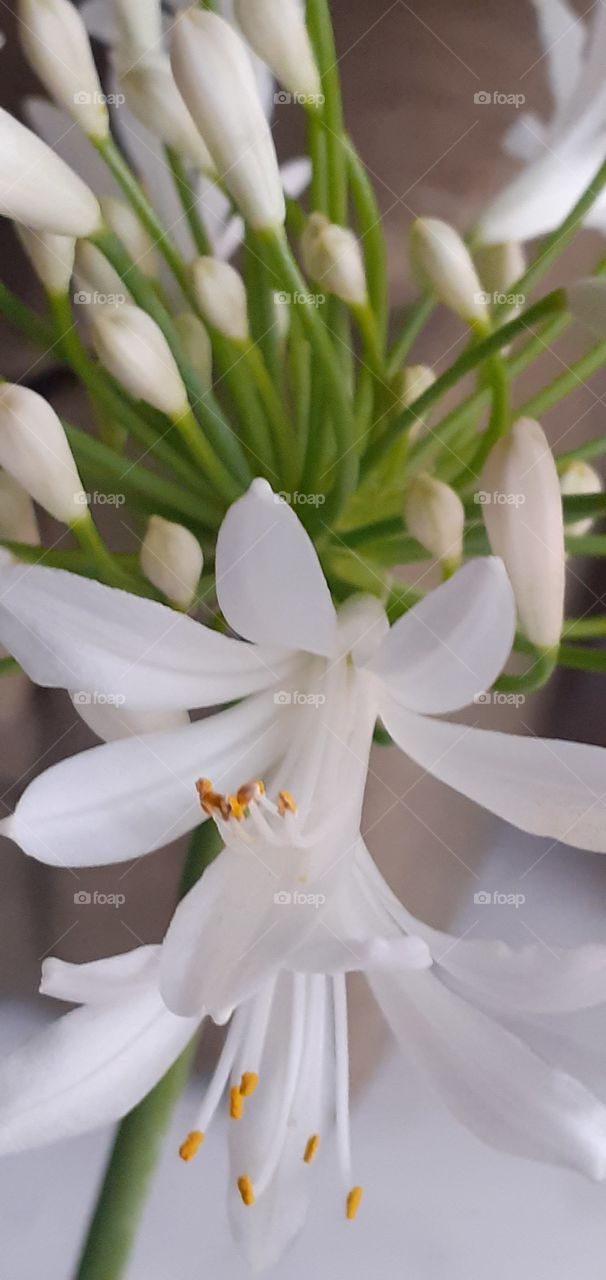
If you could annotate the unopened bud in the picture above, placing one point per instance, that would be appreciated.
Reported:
(333, 258)
(38, 189)
(410, 383)
(135, 351)
(442, 264)
(196, 345)
(18, 521)
(52, 257)
(276, 30)
(580, 478)
(98, 282)
(35, 452)
(222, 298)
(56, 44)
(123, 221)
(435, 516)
(172, 560)
(522, 508)
(153, 97)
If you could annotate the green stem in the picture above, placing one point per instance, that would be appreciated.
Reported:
(584, 628)
(92, 544)
(9, 667)
(281, 429)
(537, 676)
(138, 1144)
(371, 235)
(188, 202)
(26, 320)
(579, 659)
(414, 323)
(320, 29)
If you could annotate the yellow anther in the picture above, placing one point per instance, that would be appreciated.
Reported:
(211, 801)
(286, 804)
(311, 1148)
(191, 1146)
(245, 1187)
(237, 809)
(248, 1083)
(353, 1202)
(236, 1103)
(249, 792)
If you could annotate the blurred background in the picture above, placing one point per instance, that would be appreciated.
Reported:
(438, 1205)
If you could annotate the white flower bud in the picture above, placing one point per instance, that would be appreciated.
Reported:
(580, 478)
(153, 97)
(98, 282)
(35, 452)
(56, 44)
(333, 258)
(214, 73)
(135, 351)
(522, 508)
(39, 189)
(410, 383)
(196, 345)
(276, 30)
(587, 302)
(139, 25)
(500, 265)
(18, 521)
(52, 257)
(172, 560)
(222, 298)
(123, 221)
(443, 265)
(435, 516)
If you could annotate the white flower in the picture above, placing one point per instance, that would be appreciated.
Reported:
(214, 74)
(443, 264)
(17, 515)
(222, 299)
(38, 189)
(196, 345)
(284, 1067)
(134, 349)
(435, 516)
(171, 558)
(276, 30)
(35, 451)
(563, 155)
(123, 799)
(56, 45)
(153, 97)
(332, 256)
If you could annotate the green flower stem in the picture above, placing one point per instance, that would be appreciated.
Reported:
(75, 561)
(140, 1136)
(413, 325)
(8, 667)
(579, 659)
(338, 401)
(537, 676)
(371, 234)
(212, 469)
(284, 444)
(316, 145)
(587, 544)
(498, 425)
(91, 542)
(261, 305)
(188, 202)
(551, 304)
(26, 320)
(224, 456)
(584, 628)
(320, 29)
(235, 374)
(299, 361)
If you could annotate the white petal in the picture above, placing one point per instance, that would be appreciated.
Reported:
(526, 138)
(110, 723)
(88, 1069)
(296, 176)
(545, 786)
(127, 798)
(324, 954)
(77, 634)
(542, 195)
(270, 585)
(101, 981)
(564, 37)
(489, 1078)
(452, 645)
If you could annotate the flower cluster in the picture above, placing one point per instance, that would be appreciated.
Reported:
(282, 459)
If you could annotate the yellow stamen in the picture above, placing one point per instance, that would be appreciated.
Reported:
(211, 801)
(191, 1146)
(311, 1148)
(236, 1103)
(245, 1187)
(249, 792)
(286, 804)
(353, 1202)
(248, 1084)
(237, 809)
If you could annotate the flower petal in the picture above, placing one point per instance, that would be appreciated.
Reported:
(77, 634)
(127, 798)
(542, 195)
(88, 1068)
(100, 981)
(452, 645)
(543, 785)
(492, 1082)
(110, 723)
(270, 584)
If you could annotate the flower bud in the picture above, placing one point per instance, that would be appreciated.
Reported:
(153, 97)
(276, 30)
(500, 265)
(98, 282)
(56, 44)
(18, 521)
(123, 221)
(139, 31)
(196, 345)
(52, 257)
(38, 188)
(333, 258)
(443, 265)
(222, 298)
(522, 508)
(410, 383)
(35, 452)
(214, 73)
(587, 302)
(135, 351)
(435, 516)
(172, 560)
(580, 478)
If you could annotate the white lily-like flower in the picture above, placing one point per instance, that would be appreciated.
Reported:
(284, 1067)
(562, 155)
(126, 798)
(52, 257)
(39, 189)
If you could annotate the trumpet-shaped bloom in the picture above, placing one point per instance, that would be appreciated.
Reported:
(306, 679)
